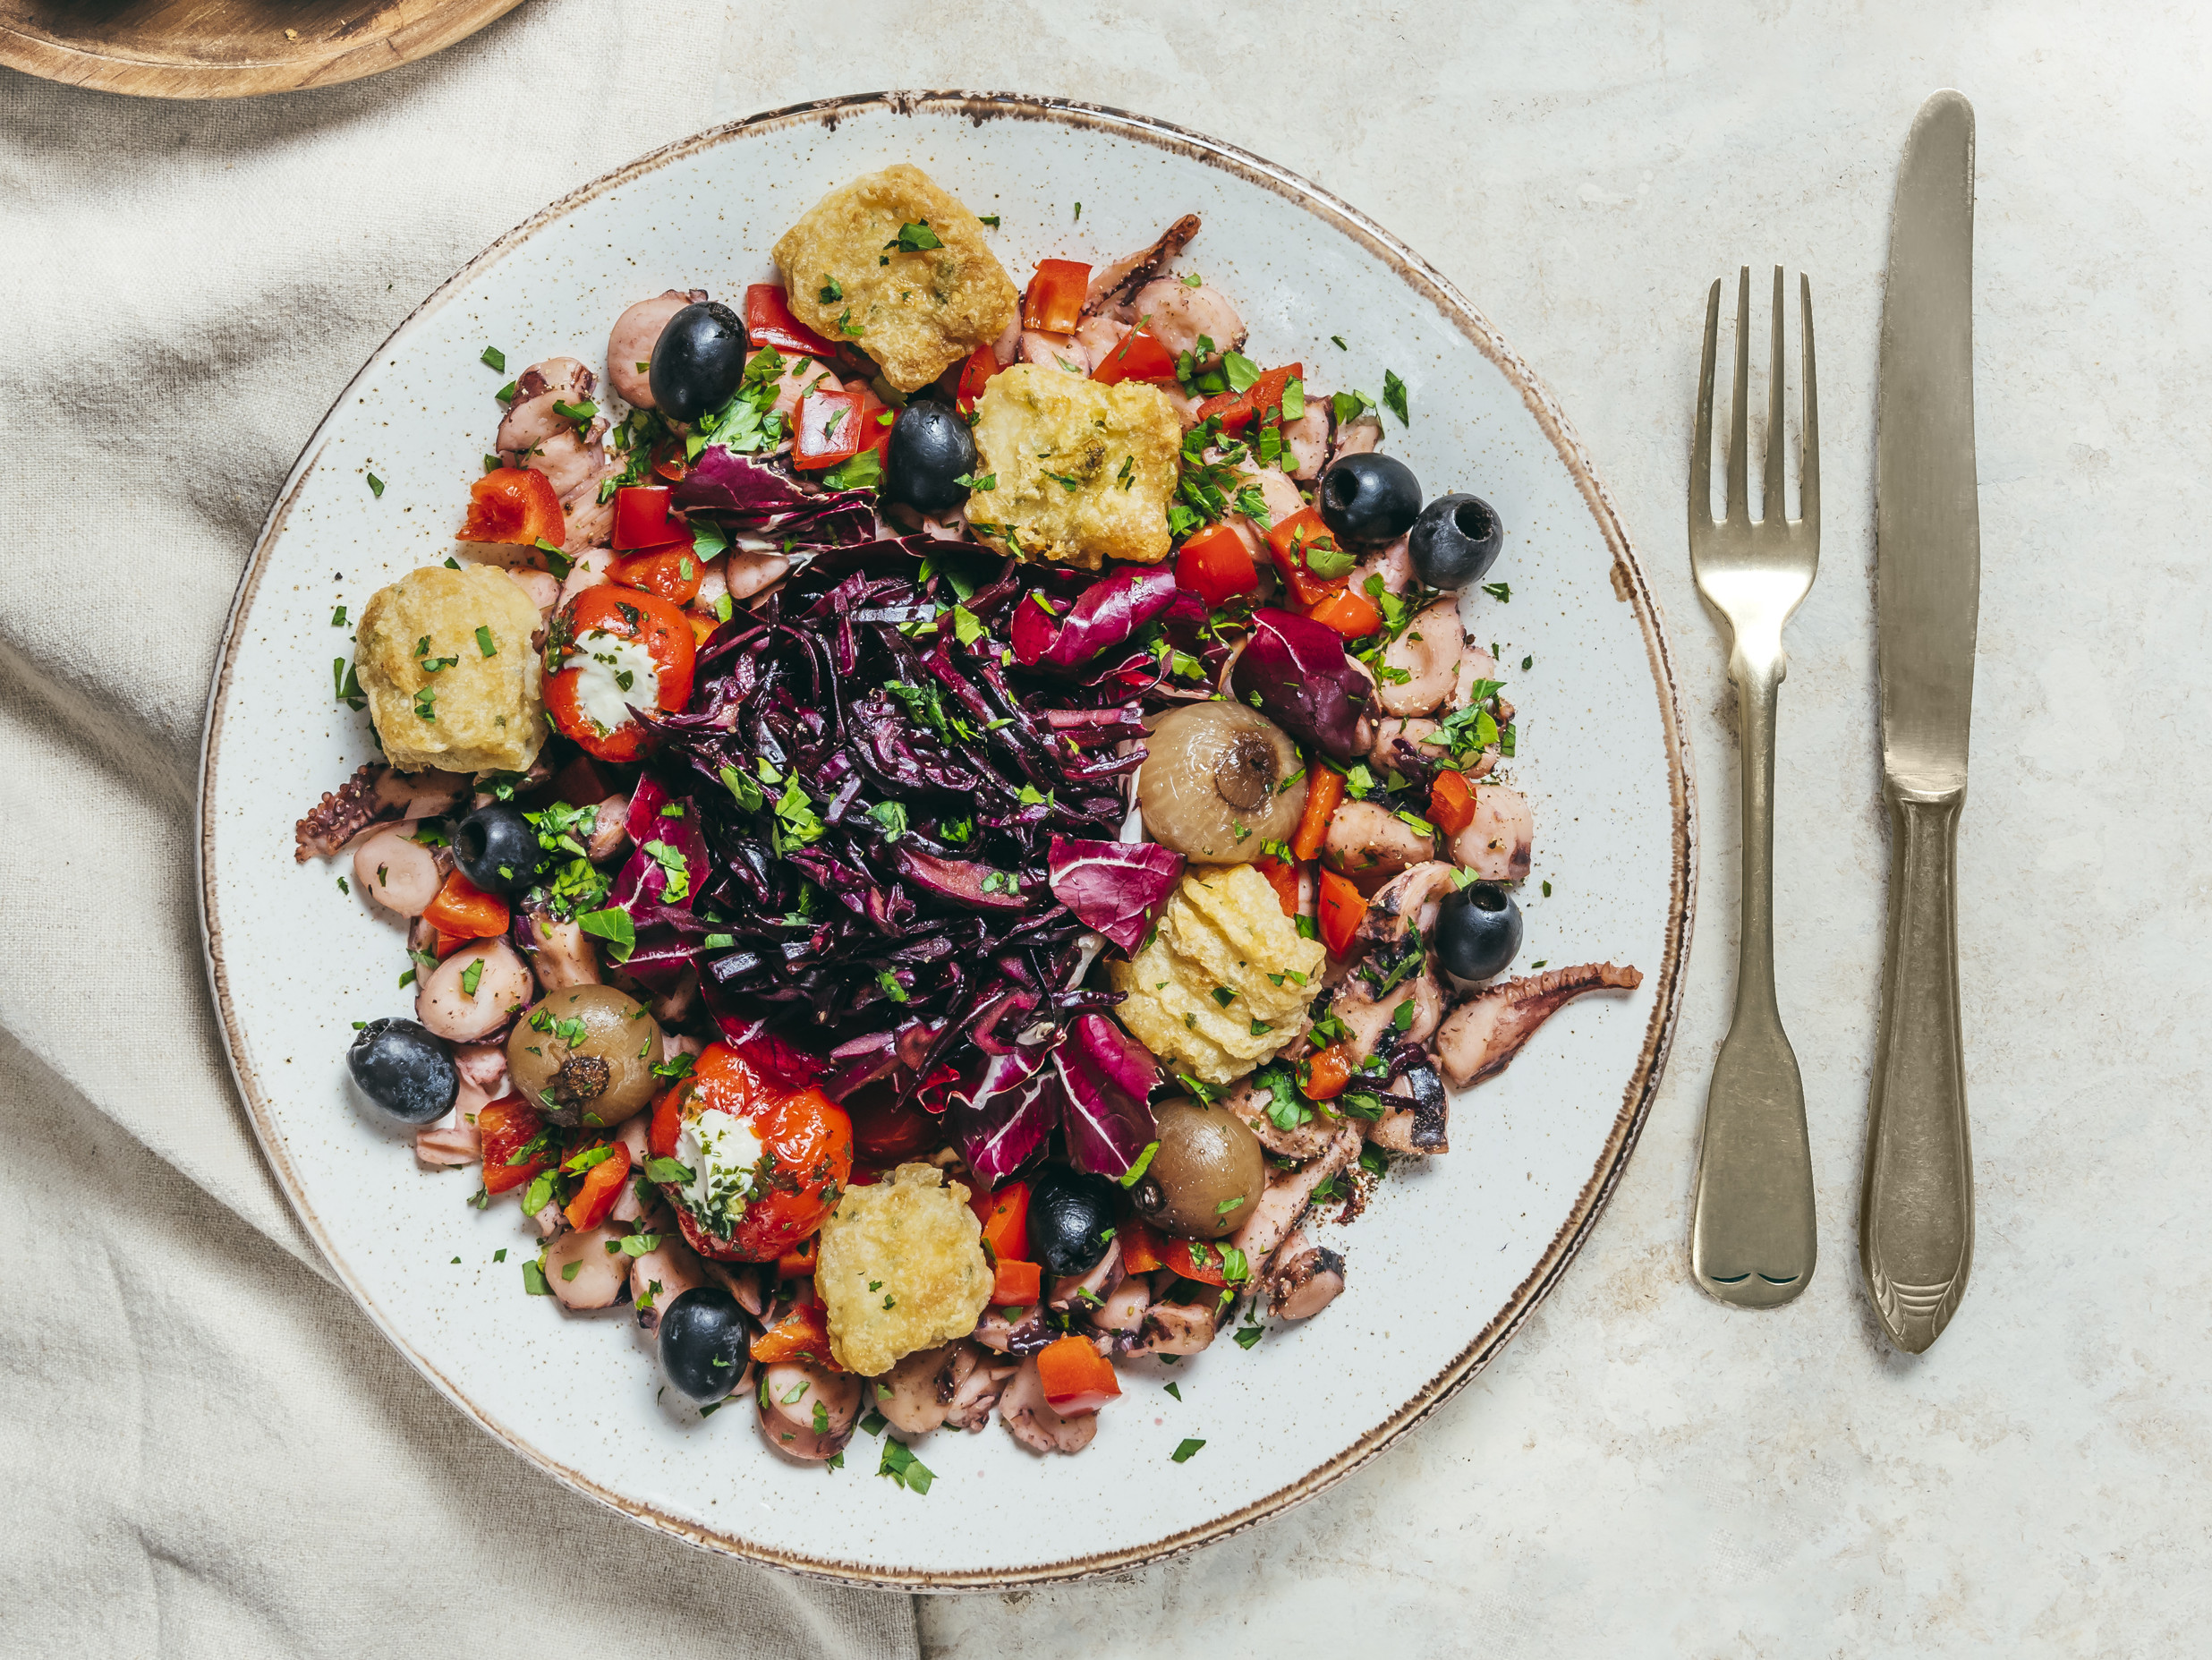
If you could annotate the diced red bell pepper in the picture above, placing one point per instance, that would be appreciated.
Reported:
(1140, 356)
(1238, 409)
(1327, 1073)
(1054, 301)
(1194, 1259)
(1451, 804)
(803, 1334)
(1142, 1246)
(644, 519)
(463, 909)
(602, 1186)
(443, 945)
(667, 1122)
(1076, 1376)
(1351, 615)
(1005, 1215)
(1282, 876)
(975, 375)
(514, 504)
(768, 322)
(1295, 540)
(1215, 566)
(876, 417)
(829, 430)
(1018, 1284)
(1342, 909)
(506, 1126)
(1324, 790)
(797, 1262)
(672, 572)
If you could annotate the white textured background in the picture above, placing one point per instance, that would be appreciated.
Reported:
(1644, 1472)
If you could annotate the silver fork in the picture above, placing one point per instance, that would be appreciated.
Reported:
(1752, 1236)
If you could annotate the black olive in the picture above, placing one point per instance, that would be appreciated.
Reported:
(697, 360)
(1368, 501)
(1071, 1214)
(1455, 542)
(1478, 930)
(705, 1339)
(497, 848)
(931, 451)
(403, 1070)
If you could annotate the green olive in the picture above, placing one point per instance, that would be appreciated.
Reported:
(585, 1055)
(1207, 1175)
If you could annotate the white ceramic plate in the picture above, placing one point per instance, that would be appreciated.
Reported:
(1449, 1259)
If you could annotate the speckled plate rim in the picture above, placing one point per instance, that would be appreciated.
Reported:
(1628, 582)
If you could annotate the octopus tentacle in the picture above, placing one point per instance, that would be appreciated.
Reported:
(1114, 283)
(374, 795)
(1482, 1035)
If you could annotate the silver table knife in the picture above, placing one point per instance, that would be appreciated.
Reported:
(1916, 1228)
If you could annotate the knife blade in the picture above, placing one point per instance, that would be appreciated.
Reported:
(1917, 1204)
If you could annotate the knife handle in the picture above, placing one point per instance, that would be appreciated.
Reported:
(1916, 1223)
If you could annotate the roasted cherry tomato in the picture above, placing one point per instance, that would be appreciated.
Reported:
(611, 650)
(1140, 356)
(776, 1159)
(514, 504)
(672, 572)
(1054, 301)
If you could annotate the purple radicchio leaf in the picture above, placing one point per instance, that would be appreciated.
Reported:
(659, 884)
(1002, 1120)
(1105, 1078)
(746, 494)
(1294, 671)
(1112, 886)
(1106, 614)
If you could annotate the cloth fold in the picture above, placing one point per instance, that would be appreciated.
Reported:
(212, 1451)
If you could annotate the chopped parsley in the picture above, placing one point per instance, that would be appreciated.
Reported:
(376, 486)
(913, 238)
(901, 1467)
(1394, 398)
(1182, 1454)
(494, 358)
(831, 290)
(483, 641)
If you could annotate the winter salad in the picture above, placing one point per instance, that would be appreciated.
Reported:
(941, 828)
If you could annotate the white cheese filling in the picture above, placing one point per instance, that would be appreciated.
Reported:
(721, 1151)
(616, 675)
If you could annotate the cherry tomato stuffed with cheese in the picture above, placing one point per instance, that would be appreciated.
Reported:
(610, 653)
(765, 1164)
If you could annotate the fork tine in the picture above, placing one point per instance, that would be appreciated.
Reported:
(1701, 442)
(1771, 510)
(1739, 444)
(1809, 463)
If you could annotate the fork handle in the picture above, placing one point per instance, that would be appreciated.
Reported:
(1916, 1222)
(1754, 1238)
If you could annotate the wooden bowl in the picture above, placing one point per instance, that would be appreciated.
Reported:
(228, 48)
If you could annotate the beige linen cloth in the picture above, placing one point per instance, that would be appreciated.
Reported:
(207, 1450)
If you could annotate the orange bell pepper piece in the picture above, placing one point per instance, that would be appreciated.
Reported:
(1282, 876)
(1194, 1259)
(506, 1126)
(797, 1262)
(1342, 909)
(1142, 1246)
(1328, 1073)
(514, 504)
(1451, 804)
(1005, 1217)
(1324, 790)
(466, 911)
(1018, 1284)
(1295, 540)
(803, 1334)
(1076, 1376)
(602, 1186)
(1351, 615)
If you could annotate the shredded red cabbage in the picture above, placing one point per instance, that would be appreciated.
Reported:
(879, 783)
